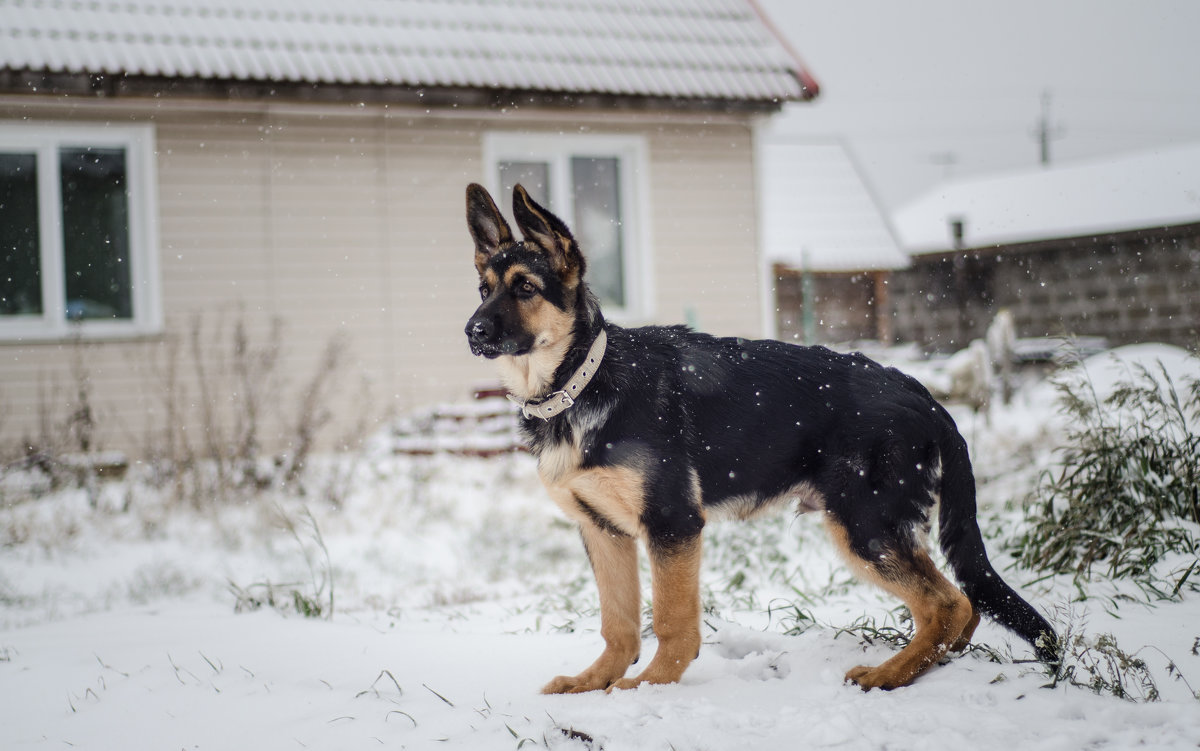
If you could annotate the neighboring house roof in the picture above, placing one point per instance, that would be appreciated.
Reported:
(819, 214)
(704, 50)
(1160, 188)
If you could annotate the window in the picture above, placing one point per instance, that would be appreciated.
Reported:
(593, 184)
(77, 232)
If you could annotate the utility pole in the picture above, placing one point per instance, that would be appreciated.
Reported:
(946, 160)
(808, 299)
(959, 266)
(1044, 132)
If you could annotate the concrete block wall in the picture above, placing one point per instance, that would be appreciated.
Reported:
(1133, 287)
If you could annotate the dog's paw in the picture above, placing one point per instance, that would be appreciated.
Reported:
(573, 684)
(868, 678)
(625, 684)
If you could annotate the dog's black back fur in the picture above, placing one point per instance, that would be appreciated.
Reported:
(730, 426)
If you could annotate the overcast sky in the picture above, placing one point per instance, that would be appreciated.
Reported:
(924, 89)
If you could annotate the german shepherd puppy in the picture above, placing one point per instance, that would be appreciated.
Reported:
(647, 433)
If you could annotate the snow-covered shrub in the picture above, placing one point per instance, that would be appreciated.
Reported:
(1125, 502)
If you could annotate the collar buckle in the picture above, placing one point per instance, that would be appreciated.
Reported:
(546, 407)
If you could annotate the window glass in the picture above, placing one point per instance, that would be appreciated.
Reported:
(95, 215)
(20, 259)
(597, 226)
(533, 176)
(591, 183)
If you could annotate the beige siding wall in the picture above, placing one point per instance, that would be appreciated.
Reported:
(705, 229)
(347, 224)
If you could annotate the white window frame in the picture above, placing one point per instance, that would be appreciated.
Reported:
(633, 180)
(45, 140)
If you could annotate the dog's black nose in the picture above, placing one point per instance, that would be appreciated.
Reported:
(480, 330)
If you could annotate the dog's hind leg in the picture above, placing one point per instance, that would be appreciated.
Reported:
(943, 616)
(613, 555)
(675, 574)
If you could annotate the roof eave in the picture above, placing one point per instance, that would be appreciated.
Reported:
(103, 85)
(791, 267)
(1024, 244)
(809, 88)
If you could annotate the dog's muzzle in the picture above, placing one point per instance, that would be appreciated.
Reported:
(485, 340)
(480, 335)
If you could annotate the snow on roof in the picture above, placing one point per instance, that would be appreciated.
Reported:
(711, 49)
(1160, 188)
(819, 213)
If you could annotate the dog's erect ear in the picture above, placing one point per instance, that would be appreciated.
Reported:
(487, 226)
(549, 233)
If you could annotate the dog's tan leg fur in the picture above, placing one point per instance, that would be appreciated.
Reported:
(675, 575)
(614, 562)
(964, 639)
(943, 616)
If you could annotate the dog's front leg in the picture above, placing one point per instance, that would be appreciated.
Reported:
(675, 576)
(614, 562)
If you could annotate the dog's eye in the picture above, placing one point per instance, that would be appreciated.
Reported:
(484, 291)
(526, 289)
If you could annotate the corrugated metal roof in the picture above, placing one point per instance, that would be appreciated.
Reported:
(700, 49)
(1160, 188)
(819, 213)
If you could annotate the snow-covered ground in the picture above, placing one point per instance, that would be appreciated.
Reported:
(458, 591)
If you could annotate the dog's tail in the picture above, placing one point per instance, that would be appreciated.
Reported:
(962, 543)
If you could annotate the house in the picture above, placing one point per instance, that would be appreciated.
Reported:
(827, 241)
(1107, 248)
(248, 216)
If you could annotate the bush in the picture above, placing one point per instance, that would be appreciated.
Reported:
(1128, 490)
(225, 420)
